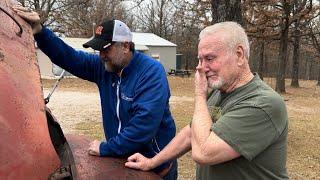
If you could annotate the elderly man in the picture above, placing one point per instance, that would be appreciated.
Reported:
(240, 132)
(133, 88)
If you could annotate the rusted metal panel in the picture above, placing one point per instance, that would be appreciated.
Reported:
(93, 167)
(26, 151)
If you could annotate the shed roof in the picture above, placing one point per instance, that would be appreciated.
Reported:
(141, 47)
(77, 43)
(150, 39)
(141, 40)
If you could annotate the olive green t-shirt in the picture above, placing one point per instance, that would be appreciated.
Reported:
(253, 121)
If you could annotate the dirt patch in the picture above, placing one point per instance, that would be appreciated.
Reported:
(71, 107)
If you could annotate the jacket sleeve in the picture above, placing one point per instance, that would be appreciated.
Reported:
(150, 101)
(81, 64)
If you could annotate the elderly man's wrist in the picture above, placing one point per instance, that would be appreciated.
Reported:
(201, 95)
(152, 163)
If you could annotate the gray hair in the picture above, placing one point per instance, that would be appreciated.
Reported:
(236, 35)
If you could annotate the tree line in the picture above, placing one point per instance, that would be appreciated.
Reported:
(284, 34)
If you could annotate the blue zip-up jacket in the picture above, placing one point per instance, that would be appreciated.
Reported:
(135, 106)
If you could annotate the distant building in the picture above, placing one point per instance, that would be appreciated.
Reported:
(148, 43)
(158, 48)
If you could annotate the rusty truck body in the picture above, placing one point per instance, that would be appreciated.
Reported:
(32, 144)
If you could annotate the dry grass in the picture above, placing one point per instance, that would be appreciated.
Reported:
(304, 117)
(71, 84)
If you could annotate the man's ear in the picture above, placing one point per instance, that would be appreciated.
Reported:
(240, 55)
(126, 47)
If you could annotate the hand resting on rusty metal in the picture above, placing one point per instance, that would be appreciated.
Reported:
(94, 148)
(30, 16)
(138, 161)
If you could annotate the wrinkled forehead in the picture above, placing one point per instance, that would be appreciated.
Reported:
(211, 43)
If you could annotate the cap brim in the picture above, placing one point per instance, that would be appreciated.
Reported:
(96, 44)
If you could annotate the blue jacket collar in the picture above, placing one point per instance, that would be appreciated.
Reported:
(133, 64)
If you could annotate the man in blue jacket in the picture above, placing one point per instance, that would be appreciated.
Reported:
(133, 88)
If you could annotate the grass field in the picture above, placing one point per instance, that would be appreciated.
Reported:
(304, 117)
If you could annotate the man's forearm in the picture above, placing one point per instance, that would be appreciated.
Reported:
(200, 130)
(178, 146)
(202, 122)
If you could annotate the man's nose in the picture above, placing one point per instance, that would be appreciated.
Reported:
(205, 66)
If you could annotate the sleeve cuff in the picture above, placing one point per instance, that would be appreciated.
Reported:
(103, 149)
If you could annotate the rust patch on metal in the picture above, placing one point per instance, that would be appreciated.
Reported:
(26, 151)
(93, 167)
(1, 56)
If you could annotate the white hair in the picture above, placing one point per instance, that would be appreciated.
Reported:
(235, 35)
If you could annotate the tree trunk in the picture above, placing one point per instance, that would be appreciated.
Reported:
(296, 57)
(308, 67)
(283, 51)
(227, 10)
(318, 74)
(261, 60)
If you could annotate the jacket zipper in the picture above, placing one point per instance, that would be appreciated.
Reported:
(118, 104)
(155, 141)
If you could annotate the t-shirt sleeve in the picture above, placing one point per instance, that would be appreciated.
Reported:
(248, 130)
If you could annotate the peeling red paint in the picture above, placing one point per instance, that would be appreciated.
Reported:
(26, 151)
(26, 148)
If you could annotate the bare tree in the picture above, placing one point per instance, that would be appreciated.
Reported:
(192, 16)
(157, 17)
(262, 25)
(296, 55)
(80, 19)
(76, 18)
(177, 21)
(277, 18)
(315, 37)
(190, 19)
(303, 13)
(318, 74)
(283, 50)
(226, 10)
(45, 8)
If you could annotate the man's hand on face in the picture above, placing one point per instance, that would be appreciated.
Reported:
(200, 80)
(138, 161)
(94, 148)
(30, 16)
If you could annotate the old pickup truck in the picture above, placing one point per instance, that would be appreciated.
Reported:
(32, 144)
